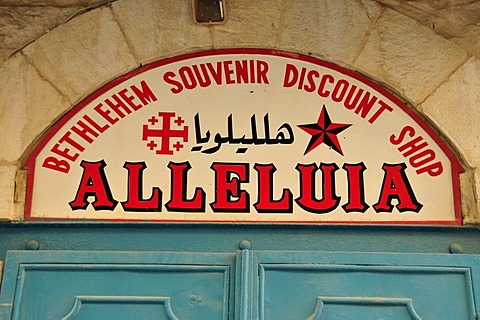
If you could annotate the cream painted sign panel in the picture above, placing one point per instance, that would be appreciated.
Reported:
(243, 136)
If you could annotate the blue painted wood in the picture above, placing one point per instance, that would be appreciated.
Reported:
(308, 256)
(367, 308)
(112, 285)
(244, 283)
(225, 238)
(121, 307)
(266, 284)
(354, 286)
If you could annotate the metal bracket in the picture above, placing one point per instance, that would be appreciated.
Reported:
(208, 11)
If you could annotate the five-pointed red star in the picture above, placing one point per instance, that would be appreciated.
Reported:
(324, 131)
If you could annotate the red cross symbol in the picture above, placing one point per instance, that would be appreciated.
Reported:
(177, 145)
(179, 121)
(165, 133)
(152, 145)
(153, 120)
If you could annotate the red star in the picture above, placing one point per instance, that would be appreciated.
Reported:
(324, 131)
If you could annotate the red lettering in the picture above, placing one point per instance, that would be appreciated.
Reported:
(302, 78)
(262, 69)
(422, 158)
(66, 138)
(265, 202)
(321, 87)
(135, 201)
(129, 99)
(307, 199)
(83, 131)
(216, 73)
(186, 74)
(168, 77)
(95, 124)
(64, 152)
(339, 90)
(145, 94)
(348, 103)
(356, 189)
(365, 105)
(228, 195)
(383, 107)
(93, 184)
(433, 170)
(417, 158)
(56, 164)
(396, 186)
(116, 107)
(105, 113)
(252, 71)
(227, 68)
(406, 130)
(178, 192)
(413, 146)
(291, 76)
(204, 80)
(311, 76)
(242, 71)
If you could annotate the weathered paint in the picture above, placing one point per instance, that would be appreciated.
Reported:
(244, 284)
(224, 238)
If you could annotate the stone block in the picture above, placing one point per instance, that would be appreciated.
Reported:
(20, 194)
(22, 24)
(29, 104)
(156, 29)
(408, 56)
(7, 187)
(250, 23)
(477, 191)
(4, 54)
(82, 54)
(467, 193)
(333, 29)
(53, 3)
(454, 107)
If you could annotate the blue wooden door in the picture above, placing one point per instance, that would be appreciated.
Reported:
(117, 286)
(359, 286)
(242, 285)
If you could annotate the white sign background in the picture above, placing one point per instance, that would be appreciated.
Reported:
(50, 191)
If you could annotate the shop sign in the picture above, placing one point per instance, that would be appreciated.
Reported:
(253, 136)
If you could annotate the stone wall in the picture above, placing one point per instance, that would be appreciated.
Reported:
(45, 78)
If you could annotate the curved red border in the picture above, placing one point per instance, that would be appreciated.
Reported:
(456, 166)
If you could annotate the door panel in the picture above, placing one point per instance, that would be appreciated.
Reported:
(366, 286)
(245, 285)
(162, 286)
(364, 308)
(121, 307)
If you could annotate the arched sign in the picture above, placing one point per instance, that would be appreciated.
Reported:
(243, 136)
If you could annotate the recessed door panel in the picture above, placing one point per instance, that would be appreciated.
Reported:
(349, 287)
(364, 308)
(169, 286)
(121, 307)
